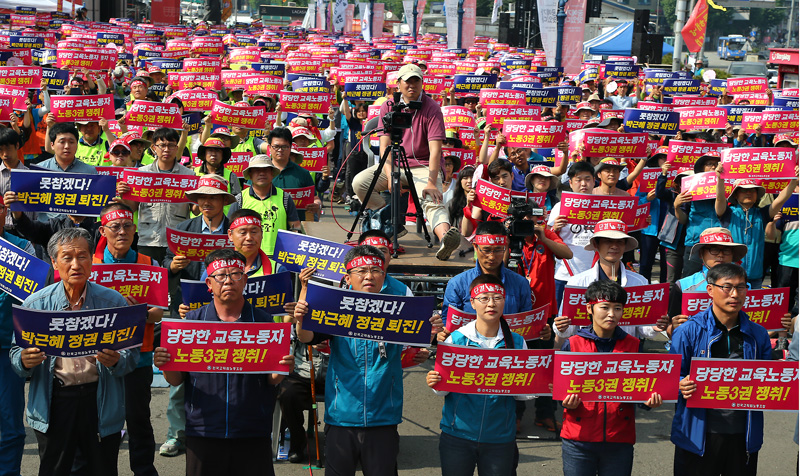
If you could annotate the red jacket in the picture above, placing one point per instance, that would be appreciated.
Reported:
(601, 422)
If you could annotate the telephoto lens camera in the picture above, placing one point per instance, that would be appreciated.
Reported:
(519, 228)
(395, 121)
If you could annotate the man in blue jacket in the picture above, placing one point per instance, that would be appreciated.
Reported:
(710, 442)
(364, 383)
(79, 402)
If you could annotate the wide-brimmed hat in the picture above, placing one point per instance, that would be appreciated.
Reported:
(260, 161)
(594, 97)
(614, 230)
(221, 132)
(608, 163)
(296, 156)
(747, 183)
(456, 162)
(792, 141)
(711, 155)
(214, 143)
(132, 136)
(211, 184)
(543, 171)
(607, 121)
(653, 160)
(153, 69)
(718, 236)
(583, 105)
(302, 132)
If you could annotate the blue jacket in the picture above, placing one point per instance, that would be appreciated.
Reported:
(481, 418)
(747, 227)
(228, 405)
(518, 291)
(111, 385)
(694, 339)
(364, 383)
(702, 215)
(6, 301)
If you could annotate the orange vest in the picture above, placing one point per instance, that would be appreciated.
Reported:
(601, 421)
(33, 147)
(149, 329)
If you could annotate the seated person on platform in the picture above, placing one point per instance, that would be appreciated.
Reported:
(501, 174)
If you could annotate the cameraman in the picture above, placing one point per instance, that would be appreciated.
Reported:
(422, 142)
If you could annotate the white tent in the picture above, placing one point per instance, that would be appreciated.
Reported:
(40, 5)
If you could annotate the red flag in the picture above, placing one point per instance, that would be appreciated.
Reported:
(694, 32)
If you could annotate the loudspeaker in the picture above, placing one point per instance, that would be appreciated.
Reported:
(504, 31)
(593, 8)
(641, 19)
(656, 44)
(647, 48)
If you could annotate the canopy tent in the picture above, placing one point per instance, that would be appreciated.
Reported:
(616, 41)
(40, 5)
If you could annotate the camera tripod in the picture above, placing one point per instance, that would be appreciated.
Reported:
(399, 159)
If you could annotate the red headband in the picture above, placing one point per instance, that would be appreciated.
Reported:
(597, 301)
(491, 240)
(376, 241)
(364, 261)
(207, 181)
(115, 215)
(224, 263)
(244, 221)
(487, 288)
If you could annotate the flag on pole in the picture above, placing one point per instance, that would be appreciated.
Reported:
(496, 10)
(694, 32)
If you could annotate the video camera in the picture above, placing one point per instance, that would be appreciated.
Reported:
(519, 228)
(395, 121)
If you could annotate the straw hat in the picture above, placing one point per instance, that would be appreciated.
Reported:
(718, 236)
(214, 143)
(612, 229)
(543, 171)
(211, 184)
(746, 183)
(260, 161)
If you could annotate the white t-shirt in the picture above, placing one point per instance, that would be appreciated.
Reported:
(576, 237)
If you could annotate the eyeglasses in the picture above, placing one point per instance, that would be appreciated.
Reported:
(222, 277)
(492, 251)
(361, 272)
(719, 251)
(280, 148)
(168, 146)
(116, 227)
(727, 288)
(486, 299)
(120, 153)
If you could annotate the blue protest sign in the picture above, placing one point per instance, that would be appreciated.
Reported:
(544, 97)
(292, 77)
(515, 63)
(270, 45)
(61, 192)
(460, 52)
(682, 75)
(54, 78)
(22, 273)
(626, 71)
(268, 292)
(274, 69)
(298, 251)
(652, 122)
(371, 316)
(311, 85)
(789, 210)
(15, 41)
(159, 89)
(655, 77)
(786, 101)
(589, 74)
(546, 76)
(681, 86)
(167, 65)
(473, 83)
(245, 41)
(83, 333)
(195, 121)
(364, 91)
(717, 87)
(104, 37)
(735, 112)
(569, 94)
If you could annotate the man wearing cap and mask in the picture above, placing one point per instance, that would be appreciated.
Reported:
(422, 142)
(747, 220)
(276, 207)
(609, 240)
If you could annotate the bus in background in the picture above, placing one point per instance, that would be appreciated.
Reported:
(731, 47)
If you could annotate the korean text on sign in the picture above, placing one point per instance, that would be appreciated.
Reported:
(268, 292)
(195, 246)
(228, 347)
(645, 305)
(476, 370)
(765, 307)
(744, 384)
(146, 283)
(616, 377)
(152, 187)
(298, 251)
(21, 274)
(61, 192)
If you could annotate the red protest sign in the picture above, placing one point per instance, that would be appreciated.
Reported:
(244, 55)
(747, 85)
(648, 179)
(441, 68)
(702, 117)
(492, 198)
(465, 156)
(765, 307)
(238, 162)
(432, 84)
(154, 115)
(458, 116)
(646, 304)
(249, 117)
(209, 81)
(195, 246)
(153, 187)
(755, 99)
(6, 110)
(208, 45)
(501, 97)
(197, 99)
(598, 144)
(28, 77)
(100, 60)
(263, 85)
(82, 108)
(744, 384)
(694, 101)
(313, 103)
(314, 158)
(616, 377)
(145, 283)
(202, 65)
(496, 115)
(684, 153)
(778, 122)
(230, 347)
(702, 186)
(533, 134)
(656, 106)
(528, 324)
(303, 65)
(475, 370)
(117, 172)
(587, 209)
(759, 162)
(303, 197)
